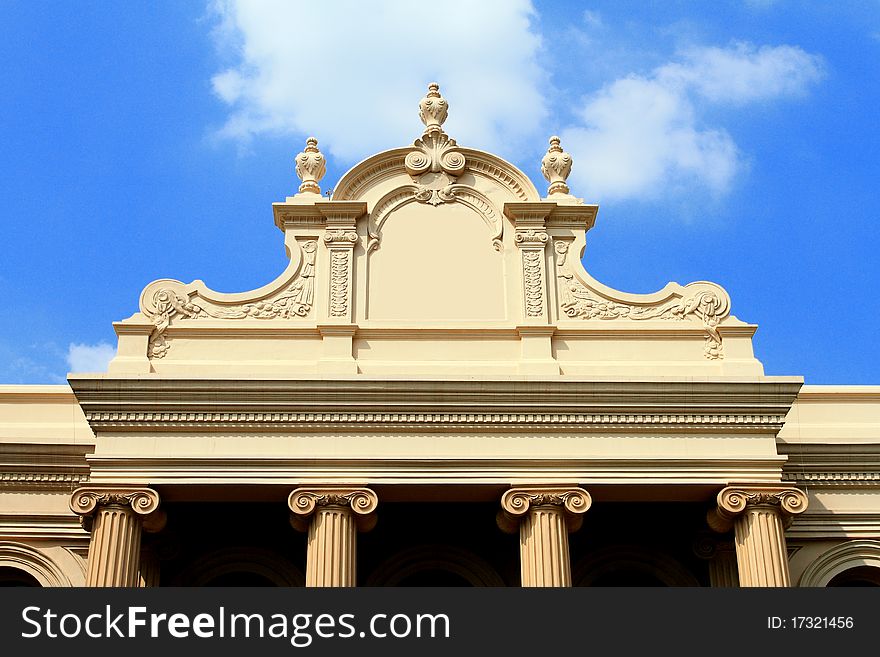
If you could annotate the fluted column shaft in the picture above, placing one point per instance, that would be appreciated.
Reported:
(758, 515)
(149, 569)
(544, 515)
(543, 544)
(723, 570)
(332, 517)
(114, 551)
(115, 516)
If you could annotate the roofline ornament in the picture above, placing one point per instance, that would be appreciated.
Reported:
(311, 165)
(436, 163)
(556, 167)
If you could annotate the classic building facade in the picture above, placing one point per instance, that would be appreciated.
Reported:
(436, 392)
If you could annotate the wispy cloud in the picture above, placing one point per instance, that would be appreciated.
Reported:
(90, 357)
(351, 72)
(643, 135)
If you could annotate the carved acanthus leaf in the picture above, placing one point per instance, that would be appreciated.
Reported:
(170, 303)
(703, 302)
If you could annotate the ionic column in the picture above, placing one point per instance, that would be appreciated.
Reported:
(721, 557)
(759, 515)
(115, 515)
(545, 515)
(332, 515)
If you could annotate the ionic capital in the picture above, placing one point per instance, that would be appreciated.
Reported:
(346, 237)
(303, 502)
(531, 237)
(86, 500)
(733, 501)
(516, 502)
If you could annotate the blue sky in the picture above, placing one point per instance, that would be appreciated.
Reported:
(736, 142)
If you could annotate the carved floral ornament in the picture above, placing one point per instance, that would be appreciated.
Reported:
(703, 301)
(167, 301)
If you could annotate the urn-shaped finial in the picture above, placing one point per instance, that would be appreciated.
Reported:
(433, 109)
(310, 167)
(556, 165)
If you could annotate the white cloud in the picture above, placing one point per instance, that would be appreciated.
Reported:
(352, 72)
(642, 135)
(743, 73)
(90, 357)
(592, 18)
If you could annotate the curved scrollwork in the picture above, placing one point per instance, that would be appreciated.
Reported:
(518, 501)
(304, 501)
(167, 300)
(143, 501)
(707, 302)
(732, 501)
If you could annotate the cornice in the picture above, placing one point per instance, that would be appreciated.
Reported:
(848, 480)
(26, 467)
(41, 481)
(36, 394)
(824, 526)
(839, 394)
(180, 404)
(425, 421)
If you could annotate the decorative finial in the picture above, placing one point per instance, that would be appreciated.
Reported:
(556, 165)
(310, 167)
(433, 109)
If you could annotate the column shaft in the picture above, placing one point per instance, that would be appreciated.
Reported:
(543, 541)
(114, 551)
(331, 559)
(760, 548)
(723, 572)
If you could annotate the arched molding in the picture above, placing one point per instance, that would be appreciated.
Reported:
(616, 558)
(357, 182)
(406, 194)
(34, 562)
(839, 559)
(473, 569)
(269, 564)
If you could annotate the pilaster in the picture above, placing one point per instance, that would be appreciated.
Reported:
(544, 515)
(332, 515)
(115, 516)
(758, 515)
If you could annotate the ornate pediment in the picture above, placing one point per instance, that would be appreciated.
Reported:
(440, 259)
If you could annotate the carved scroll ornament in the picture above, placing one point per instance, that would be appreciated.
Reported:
(517, 502)
(703, 301)
(142, 501)
(304, 502)
(167, 301)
